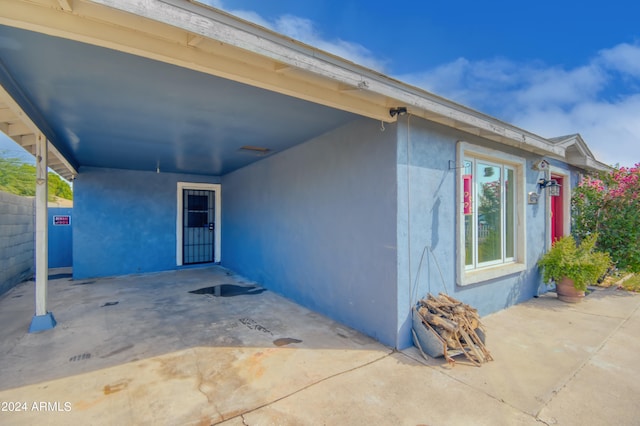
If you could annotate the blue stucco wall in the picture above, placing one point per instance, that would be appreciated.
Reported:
(60, 237)
(125, 221)
(339, 224)
(427, 225)
(317, 223)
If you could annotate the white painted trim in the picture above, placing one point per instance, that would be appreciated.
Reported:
(42, 225)
(467, 277)
(485, 274)
(217, 188)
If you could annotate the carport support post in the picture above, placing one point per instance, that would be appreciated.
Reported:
(42, 320)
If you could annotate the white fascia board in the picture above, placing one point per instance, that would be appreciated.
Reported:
(217, 25)
(588, 164)
(597, 166)
(583, 158)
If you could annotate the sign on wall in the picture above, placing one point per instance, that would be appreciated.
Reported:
(62, 220)
(467, 182)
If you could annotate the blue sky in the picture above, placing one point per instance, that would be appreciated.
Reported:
(550, 67)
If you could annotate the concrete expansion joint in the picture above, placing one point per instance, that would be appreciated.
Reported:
(310, 385)
(593, 314)
(480, 390)
(569, 379)
(539, 420)
(366, 364)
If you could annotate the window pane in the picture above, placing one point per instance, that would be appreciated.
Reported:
(197, 213)
(197, 219)
(489, 213)
(468, 240)
(510, 205)
(489, 193)
(197, 202)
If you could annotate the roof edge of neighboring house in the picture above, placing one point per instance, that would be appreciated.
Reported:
(578, 154)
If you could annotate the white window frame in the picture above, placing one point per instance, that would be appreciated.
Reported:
(217, 188)
(466, 275)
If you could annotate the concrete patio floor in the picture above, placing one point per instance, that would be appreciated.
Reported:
(143, 350)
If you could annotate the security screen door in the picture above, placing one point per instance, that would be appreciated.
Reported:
(198, 229)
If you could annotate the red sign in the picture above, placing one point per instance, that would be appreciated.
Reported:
(467, 180)
(62, 220)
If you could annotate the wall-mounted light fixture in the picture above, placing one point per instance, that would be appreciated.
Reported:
(551, 184)
(397, 111)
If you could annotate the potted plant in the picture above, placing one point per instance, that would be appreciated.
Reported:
(572, 267)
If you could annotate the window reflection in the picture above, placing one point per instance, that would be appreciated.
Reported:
(489, 209)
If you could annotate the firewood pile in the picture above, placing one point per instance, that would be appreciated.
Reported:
(456, 325)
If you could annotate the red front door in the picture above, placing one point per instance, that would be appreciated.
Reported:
(557, 212)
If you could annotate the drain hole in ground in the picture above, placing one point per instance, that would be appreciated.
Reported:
(284, 341)
(58, 276)
(228, 290)
(84, 283)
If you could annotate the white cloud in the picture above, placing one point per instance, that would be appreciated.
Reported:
(247, 15)
(305, 30)
(560, 87)
(490, 82)
(611, 129)
(213, 3)
(623, 57)
(600, 99)
(476, 84)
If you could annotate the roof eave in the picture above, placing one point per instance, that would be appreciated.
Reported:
(217, 25)
(205, 39)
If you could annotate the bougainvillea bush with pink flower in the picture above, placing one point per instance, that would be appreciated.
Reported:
(609, 205)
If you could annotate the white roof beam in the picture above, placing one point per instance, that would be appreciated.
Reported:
(194, 40)
(66, 5)
(18, 129)
(6, 115)
(23, 131)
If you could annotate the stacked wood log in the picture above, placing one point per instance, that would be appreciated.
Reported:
(455, 324)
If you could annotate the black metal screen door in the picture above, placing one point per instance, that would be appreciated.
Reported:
(198, 226)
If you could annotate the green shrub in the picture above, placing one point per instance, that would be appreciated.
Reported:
(581, 263)
(610, 206)
(19, 178)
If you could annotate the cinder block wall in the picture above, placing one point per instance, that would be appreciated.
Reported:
(16, 240)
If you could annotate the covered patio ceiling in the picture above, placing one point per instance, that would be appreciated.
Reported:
(104, 108)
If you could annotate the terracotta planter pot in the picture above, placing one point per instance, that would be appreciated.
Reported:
(567, 292)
